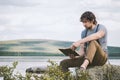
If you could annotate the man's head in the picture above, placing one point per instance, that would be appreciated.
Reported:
(88, 19)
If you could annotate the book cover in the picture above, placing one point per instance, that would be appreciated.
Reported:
(68, 51)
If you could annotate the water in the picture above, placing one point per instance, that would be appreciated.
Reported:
(25, 62)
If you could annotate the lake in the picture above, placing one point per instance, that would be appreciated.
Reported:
(25, 62)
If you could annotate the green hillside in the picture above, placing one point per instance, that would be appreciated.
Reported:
(32, 47)
(40, 48)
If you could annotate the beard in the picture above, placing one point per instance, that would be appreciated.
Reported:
(88, 27)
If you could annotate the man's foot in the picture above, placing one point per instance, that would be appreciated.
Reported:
(80, 72)
(82, 68)
(85, 64)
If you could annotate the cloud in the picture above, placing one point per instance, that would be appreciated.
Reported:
(55, 19)
(3, 21)
(20, 2)
(110, 6)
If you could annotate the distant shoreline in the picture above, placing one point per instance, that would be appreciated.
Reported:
(41, 47)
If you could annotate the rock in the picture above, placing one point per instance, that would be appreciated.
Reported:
(106, 72)
(39, 70)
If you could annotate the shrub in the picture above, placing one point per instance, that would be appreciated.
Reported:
(7, 72)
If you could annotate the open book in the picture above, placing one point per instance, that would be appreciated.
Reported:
(68, 51)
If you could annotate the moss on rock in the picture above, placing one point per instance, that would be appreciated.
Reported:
(106, 72)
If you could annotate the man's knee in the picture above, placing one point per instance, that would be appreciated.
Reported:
(63, 63)
(93, 42)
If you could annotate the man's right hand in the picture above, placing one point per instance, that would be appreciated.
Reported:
(72, 56)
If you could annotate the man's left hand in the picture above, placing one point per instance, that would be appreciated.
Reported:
(76, 44)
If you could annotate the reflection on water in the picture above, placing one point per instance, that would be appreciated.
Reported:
(31, 58)
(25, 62)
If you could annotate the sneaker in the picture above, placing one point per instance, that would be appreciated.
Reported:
(82, 68)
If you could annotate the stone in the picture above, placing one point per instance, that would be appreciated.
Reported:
(106, 72)
(38, 70)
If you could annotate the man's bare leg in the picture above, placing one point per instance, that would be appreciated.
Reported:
(85, 64)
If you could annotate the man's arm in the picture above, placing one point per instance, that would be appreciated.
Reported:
(93, 36)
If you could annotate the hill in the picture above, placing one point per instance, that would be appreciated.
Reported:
(41, 47)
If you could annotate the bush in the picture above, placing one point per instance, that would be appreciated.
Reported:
(53, 72)
(7, 72)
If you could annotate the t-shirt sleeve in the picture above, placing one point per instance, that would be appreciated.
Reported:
(102, 27)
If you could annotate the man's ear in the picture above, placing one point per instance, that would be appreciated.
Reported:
(93, 21)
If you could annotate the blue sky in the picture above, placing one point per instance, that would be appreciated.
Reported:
(56, 19)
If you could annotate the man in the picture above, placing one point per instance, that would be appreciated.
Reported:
(93, 45)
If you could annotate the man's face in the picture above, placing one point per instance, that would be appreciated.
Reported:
(87, 24)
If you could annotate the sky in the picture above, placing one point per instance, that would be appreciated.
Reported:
(56, 19)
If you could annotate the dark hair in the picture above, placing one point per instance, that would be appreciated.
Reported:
(89, 16)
